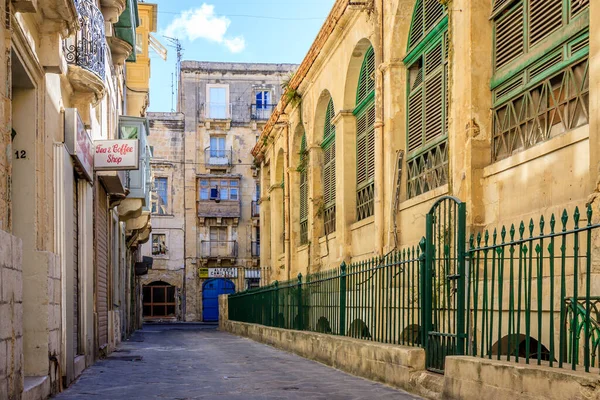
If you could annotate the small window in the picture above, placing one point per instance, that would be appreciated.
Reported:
(218, 107)
(263, 99)
(160, 196)
(159, 244)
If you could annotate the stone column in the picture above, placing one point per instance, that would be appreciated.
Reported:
(345, 172)
(470, 127)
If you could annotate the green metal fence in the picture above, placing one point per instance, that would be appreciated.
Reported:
(377, 300)
(532, 295)
(533, 292)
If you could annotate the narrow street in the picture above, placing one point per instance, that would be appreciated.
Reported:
(200, 362)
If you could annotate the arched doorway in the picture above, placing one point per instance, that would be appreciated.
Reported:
(159, 300)
(211, 289)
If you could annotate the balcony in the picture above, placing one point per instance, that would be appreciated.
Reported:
(211, 249)
(255, 209)
(262, 112)
(255, 249)
(217, 158)
(85, 52)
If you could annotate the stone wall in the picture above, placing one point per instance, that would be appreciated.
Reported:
(11, 317)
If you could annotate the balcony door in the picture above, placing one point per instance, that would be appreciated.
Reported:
(218, 152)
(217, 106)
(218, 241)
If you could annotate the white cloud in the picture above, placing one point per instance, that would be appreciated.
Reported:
(236, 45)
(202, 23)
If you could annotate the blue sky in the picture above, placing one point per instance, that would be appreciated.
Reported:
(228, 30)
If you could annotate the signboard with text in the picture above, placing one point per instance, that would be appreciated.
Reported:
(208, 273)
(79, 143)
(112, 155)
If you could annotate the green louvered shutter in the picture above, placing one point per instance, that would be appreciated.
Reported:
(545, 17)
(303, 194)
(426, 16)
(509, 38)
(329, 180)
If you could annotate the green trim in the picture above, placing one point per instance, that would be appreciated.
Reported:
(426, 147)
(559, 38)
(125, 28)
(370, 52)
(364, 104)
(327, 141)
(423, 45)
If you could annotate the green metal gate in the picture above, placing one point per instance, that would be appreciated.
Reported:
(443, 283)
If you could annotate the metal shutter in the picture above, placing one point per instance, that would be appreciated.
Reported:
(75, 267)
(102, 265)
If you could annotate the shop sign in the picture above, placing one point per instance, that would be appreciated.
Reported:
(207, 273)
(112, 155)
(79, 143)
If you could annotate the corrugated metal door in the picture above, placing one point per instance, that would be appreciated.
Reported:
(102, 265)
(75, 268)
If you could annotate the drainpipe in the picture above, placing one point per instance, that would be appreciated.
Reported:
(379, 124)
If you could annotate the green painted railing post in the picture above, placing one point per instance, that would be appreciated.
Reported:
(275, 319)
(461, 243)
(422, 285)
(343, 298)
(300, 316)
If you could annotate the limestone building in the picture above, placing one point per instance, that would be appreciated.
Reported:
(401, 102)
(70, 228)
(206, 231)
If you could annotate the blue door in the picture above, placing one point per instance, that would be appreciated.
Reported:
(211, 289)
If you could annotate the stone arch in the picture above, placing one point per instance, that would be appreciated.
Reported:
(516, 345)
(400, 30)
(352, 75)
(319, 119)
(148, 279)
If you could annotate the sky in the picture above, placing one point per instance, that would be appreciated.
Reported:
(271, 31)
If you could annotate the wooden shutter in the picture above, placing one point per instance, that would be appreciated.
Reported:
(509, 36)
(102, 264)
(426, 15)
(371, 143)
(500, 5)
(329, 131)
(361, 149)
(303, 182)
(545, 16)
(578, 6)
(366, 80)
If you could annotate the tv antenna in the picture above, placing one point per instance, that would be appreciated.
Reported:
(176, 44)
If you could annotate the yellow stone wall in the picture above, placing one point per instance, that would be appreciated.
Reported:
(556, 174)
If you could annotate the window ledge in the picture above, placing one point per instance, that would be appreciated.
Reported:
(302, 248)
(422, 198)
(539, 150)
(364, 222)
(163, 215)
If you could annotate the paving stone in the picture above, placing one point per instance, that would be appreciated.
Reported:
(198, 362)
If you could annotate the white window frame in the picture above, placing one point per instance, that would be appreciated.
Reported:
(207, 110)
(166, 234)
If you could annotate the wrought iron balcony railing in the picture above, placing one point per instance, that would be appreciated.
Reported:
(262, 112)
(214, 157)
(255, 209)
(87, 49)
(255, 249)
(218, 249)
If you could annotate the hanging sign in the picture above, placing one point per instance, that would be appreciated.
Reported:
(79, 143)
(112, 155)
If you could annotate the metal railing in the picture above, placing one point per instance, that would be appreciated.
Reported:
(214, 157)
(87, 49)
(217, 111)
(373, 300)
(255, 248)
(255, 209)
(531, 295)
(218, 249)
(261, 112)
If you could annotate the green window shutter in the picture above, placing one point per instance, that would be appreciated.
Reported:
(329, 131)
(366, 79)
(303, 193)
(426, 16)
(578, 6)
(500, 5)
(509, 41)
(329, 180)
(415, 121)
(545, 17)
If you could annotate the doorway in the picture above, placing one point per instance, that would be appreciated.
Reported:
(211, 289)
(159, 300)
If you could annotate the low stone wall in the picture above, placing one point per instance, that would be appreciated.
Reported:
(11, 317)
(471, 378)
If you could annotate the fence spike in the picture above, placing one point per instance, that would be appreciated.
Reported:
(576, 216)
(531, 227)
(512, 232)
(589, 214)
(479, 239)
(471, 241)
(564, 219)
(542, 224)
(521, 229)
(503, 233)
(494, 236)
(486, 237)
(552, 223)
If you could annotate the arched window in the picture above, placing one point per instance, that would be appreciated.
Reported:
(303, 192)
(328, 146)
(427, 117)
(540, 84)
(365, 137)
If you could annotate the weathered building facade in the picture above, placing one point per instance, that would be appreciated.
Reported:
(206, 234)
(399, 103)
(67, 251)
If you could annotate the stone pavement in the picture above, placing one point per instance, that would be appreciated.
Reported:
(183, 361)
